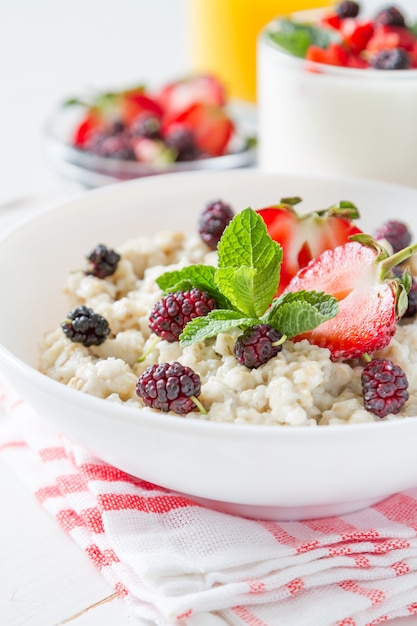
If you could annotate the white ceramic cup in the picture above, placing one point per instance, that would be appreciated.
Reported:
(322, 119)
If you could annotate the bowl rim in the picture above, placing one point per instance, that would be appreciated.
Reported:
(167, 420)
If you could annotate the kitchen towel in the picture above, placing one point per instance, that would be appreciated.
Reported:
(179, 563)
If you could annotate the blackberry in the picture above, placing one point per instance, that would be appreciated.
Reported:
(412, 300)
(113, 146)
(147, 126)
(170, 315)
(391, 16)
(412, 294)
(169, 387)
(348, 8)
(212, 222)
(257, 345)
(181, 141)
(393, 59)
(84, 326)
(396, 233)
(103, 261)
(384, 386)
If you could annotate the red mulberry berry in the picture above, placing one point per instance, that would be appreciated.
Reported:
(213, 220)
(257, 345)
(385, 387)
(103, 261)
(84, 326)
(171, 314)
(169, 387)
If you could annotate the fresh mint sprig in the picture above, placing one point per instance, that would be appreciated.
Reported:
(296, 37)
(244, 284)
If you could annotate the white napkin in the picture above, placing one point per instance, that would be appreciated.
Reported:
(176, 562)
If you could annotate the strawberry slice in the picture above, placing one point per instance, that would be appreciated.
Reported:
(305, 237)
(371, 300)
(93, 122)
(356, 35)
(210, 125)
(136, 102)
(181, 94)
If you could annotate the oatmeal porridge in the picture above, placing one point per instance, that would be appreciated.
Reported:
(300, 386)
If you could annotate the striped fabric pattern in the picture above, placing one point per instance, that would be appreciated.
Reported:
(179, 563)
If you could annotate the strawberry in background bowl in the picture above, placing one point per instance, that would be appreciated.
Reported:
(185, 124)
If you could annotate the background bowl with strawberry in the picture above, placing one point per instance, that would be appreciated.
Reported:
(269, 471)
(337, 92)
(186, 124)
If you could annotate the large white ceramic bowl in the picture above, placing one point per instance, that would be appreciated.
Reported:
(266, 471)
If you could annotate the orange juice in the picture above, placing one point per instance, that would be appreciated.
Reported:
(223, 33)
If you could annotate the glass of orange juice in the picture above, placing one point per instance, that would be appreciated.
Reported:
(223, 33)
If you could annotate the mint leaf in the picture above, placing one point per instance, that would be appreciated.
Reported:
(248, 264)
(200, 276)
(300, 311)
(296, 37)
(215, 322)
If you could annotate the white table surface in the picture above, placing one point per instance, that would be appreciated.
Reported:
(45, 578)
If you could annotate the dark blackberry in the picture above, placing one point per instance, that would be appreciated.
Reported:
(257, 345)
(213, 220)
(412, 300)
(384, 387)
(113, 146)
(170, 315)
(103, 261)
(393, 59)
(396, 233)
(348, 8)
(147, 126)
(84, 326)
(391, 16)
(169, 387)
(181, 141)
(412, 294)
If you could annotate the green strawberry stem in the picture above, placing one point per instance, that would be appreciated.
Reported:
(396, 259)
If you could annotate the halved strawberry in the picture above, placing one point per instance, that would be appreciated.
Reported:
(210, 125)
(332, 20)
(90, 124)
(355, 34)
(305, 237)
(371, 299)
(181, 94)
(136, 102)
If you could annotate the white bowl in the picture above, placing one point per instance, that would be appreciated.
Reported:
(261, 471)
(334, 121)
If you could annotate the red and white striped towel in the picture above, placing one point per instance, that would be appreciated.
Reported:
(179, 563)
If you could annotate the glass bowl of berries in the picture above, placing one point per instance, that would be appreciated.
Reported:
(242, 346)
(337, 88)
(186, 124)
